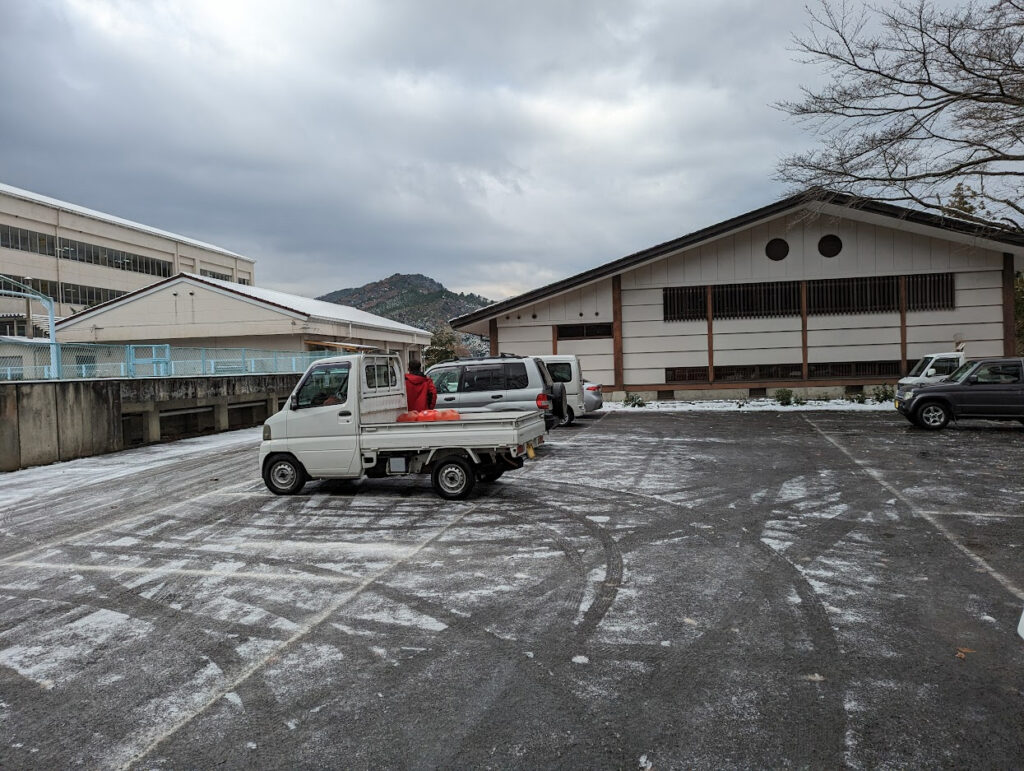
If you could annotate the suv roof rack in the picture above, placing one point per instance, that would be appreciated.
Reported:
(479, 358)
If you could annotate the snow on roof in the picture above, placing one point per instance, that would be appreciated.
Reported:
(47, 201)
(317, 308)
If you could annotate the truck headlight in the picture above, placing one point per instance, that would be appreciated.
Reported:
(266, 432)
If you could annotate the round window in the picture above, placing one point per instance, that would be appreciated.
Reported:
(776, 249)
(830, 245)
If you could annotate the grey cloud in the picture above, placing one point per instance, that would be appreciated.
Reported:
(486, 144)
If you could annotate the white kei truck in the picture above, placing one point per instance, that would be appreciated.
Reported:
(933, 367)
(340, 422)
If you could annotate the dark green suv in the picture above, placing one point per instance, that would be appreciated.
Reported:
(985, 388)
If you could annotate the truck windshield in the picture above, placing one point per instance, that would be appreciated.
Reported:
(960, 374)
(921, 367)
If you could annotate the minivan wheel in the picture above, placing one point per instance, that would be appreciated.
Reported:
(453, 478)
(567, 418)
(283, 475)
(932, 416)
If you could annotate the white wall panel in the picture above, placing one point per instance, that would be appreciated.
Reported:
(664, 344)
(642, 297)
(589, 347)
(663, 328)
(979, 279)
(651, 376)
(757, 340)
(970, 315)
(532, 334)
(867, 250)
(853, 337)
(758, 356)
(525, 349)
(983, 296)
(643, 313)
(771, 324)
(888, 351)
(853, 321)
(975, 348)
(947, 333)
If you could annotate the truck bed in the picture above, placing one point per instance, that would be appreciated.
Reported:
(481, 430)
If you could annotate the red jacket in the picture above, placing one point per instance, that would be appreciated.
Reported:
(420, 392)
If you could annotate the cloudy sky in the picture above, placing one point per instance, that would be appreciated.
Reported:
(494, 146)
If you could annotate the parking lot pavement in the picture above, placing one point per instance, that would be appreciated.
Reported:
(657, 590)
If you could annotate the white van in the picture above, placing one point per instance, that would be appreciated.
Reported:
(565, 368)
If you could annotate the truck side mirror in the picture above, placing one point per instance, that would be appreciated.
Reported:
(972, 379)
(293, 403)
(930, 372)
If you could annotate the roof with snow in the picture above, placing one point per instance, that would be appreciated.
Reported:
(307, 306)
(301, 306)
(27, 195)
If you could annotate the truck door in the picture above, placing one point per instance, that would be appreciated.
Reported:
(322, 430)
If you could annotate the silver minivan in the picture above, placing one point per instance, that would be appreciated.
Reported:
(497, 383)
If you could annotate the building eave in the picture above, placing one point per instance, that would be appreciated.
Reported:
(987, 235)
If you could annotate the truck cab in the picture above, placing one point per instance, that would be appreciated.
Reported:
(932, 368)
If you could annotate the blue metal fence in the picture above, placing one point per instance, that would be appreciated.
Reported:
(22, 359)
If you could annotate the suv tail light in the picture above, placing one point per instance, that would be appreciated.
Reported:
(543, 402)
(594, 388)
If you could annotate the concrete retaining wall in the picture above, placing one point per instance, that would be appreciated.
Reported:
(43, 422)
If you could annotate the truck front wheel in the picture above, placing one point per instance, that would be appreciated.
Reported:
(453, 478)
(284, 475)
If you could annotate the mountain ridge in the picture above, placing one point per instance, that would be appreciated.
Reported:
(414, 299)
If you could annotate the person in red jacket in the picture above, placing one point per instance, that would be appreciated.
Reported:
(420, 392)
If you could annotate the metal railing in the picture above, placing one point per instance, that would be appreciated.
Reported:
(22, 359)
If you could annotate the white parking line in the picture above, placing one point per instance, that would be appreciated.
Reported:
(1005, 582)
(300, 633)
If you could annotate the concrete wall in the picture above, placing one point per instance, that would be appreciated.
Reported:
(44, 422)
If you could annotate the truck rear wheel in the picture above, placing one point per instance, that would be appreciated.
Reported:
(453, 478)
(283, 475)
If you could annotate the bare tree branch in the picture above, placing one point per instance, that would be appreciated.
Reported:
(919, 99)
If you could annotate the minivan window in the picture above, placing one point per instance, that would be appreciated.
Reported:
(561, 371)
(517, 376)
(446, 381)
(483, 377)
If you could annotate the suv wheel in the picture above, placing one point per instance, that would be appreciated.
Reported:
(567, 418)
(933, 416)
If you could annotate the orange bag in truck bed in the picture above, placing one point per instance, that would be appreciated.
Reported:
(428, 416)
